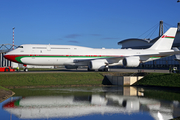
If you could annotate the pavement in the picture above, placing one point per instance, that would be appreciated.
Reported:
(5, 94)
(85, 70)
(140, 70)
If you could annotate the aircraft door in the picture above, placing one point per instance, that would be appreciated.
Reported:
(33, 54)
(48, 48)
(68, 59)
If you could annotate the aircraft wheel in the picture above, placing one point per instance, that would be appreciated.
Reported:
(106, 69)
(25, 70)
(88, 69)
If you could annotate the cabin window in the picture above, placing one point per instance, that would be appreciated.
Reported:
(39, 47)
(59, 48)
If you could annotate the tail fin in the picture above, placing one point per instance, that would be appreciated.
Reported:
(165, 41)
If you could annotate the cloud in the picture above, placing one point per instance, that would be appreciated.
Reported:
(73, 36)
(73, 41)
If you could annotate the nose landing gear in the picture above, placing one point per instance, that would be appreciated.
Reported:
(25, 69)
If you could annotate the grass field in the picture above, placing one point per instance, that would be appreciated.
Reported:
(160, 79)
(2, 88)
(162, 94)
(35, 79)
(84, 78)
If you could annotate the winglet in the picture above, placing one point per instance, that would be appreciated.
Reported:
(165, 41)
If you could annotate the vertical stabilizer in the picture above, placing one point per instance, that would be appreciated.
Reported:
(165, 41)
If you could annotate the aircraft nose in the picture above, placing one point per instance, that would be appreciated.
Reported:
(10, 57)
(11, 104)
(5, 56)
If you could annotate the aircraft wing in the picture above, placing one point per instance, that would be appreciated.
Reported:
(109, 59)
(118, 58)
(82, 60)
(161, 54)
(169, 53)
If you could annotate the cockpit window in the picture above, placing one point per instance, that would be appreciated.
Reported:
(20, 46)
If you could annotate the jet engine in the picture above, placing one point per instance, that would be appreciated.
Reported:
(131, 61)
(131, 105)
(100, 64)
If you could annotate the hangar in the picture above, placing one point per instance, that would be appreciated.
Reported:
(136, 43)
(4, 48)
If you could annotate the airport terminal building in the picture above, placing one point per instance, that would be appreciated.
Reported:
(163, 63)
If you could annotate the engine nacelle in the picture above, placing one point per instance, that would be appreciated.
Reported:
(131, 61)
(98, 100)
(131, 105)
(98, 64)
(71, 67)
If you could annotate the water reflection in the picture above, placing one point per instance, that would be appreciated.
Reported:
(126, 101)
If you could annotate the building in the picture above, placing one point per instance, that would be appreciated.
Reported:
(163, 63)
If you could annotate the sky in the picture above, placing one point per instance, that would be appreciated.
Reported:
(89, 23)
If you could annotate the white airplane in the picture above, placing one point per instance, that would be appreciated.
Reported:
(41, 107)
(95, 59)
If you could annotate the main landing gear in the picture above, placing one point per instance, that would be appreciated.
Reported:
(106, 69)
(90, 69)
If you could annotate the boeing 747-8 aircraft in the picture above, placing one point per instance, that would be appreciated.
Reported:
(95, 59)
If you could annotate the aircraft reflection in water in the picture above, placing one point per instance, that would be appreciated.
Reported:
(76, 106)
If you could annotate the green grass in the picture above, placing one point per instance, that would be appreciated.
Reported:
(160, 79)
(35, 79)
(2, 88)
(163, 95)
(85, 78)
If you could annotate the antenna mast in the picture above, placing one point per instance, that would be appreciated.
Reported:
(13, 37)
(178, 26)
(161, 32)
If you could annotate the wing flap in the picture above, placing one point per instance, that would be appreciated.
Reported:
(109, 59)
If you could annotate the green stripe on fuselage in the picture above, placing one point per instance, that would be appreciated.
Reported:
(17, 103)
(68, 56)
(170, 37)
(155, 57)
(19, 58)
